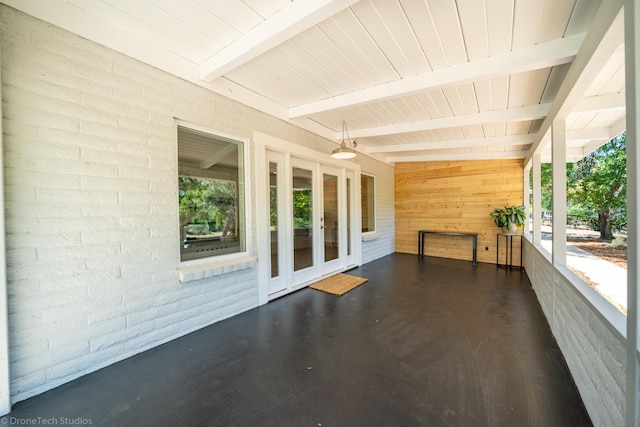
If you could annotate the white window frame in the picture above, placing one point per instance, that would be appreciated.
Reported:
(215, 261)
(375, 216)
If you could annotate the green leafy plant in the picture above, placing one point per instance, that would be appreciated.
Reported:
(509, 215)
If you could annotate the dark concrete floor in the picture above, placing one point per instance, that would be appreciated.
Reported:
(431, 342)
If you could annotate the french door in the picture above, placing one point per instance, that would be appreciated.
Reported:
(309, 221)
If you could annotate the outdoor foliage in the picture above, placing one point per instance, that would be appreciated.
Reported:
(302, 208)
(596, 188)
(208, 203)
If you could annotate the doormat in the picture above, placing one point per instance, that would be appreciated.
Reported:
(339, 284)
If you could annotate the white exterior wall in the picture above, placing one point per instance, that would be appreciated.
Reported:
(382, 242)
(91, 204)
(593, 348)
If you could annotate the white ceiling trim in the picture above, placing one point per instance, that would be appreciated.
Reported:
(457, 143)
(545, 55)
(530, 112)
(588, 134)
(491, 155)
(614, 101)
(287, 23)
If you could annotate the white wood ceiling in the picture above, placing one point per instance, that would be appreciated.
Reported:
(415, 80)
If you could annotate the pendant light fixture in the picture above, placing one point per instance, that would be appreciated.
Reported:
(344, 151)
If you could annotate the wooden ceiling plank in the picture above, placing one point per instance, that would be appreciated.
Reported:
(401, 40)
(473, 21)
(518, 84)
(427, 103)
(500, 92)
(555, 18)
(236, 14)
(367, 72)
(282, 26)
(500, 24)
(201, 20)
(527, 18)
(266, 9)
(447, 22)
(452, 95)
(483, 95)
(362, 45)
(424, 27)
(468, 98)
(535, 57)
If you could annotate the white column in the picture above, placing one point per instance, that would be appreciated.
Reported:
(5, 391)
(559, 191)
(632, 67)
(525, 195)
(537, 199)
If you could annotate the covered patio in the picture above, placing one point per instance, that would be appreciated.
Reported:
(170, 190)
(424, 342)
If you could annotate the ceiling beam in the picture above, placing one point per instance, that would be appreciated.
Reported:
(614, 101)
(491, 155)
(294, 19)
(535, 57)
(457, 143)
(218, 156)
(604, 37)
(573, 155)
(588, 134)
(530, 112)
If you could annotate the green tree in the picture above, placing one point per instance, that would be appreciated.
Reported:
(211, 203)
(598, 185)
(301, 208)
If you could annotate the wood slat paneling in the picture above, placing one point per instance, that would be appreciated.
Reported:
(454, 196)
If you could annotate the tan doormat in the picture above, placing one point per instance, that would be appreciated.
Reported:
(339, 284)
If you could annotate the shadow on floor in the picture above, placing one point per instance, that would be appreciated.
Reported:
(424, 342)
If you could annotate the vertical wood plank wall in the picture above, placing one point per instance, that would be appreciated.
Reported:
(455, 196)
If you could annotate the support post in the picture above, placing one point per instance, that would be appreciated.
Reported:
(5, 390)
(632, 89)
(559, 191)
(537, 199)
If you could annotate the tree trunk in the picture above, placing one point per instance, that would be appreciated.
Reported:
(605, 224)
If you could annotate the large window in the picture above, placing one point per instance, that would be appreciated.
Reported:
(367, 187)
(211, 194)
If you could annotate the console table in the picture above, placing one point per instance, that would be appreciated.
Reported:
(508, 252)
(423, 233)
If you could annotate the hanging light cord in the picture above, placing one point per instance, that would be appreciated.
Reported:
(345, 130)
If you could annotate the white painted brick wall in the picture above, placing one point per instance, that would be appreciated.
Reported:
(91, 204)
(384, 243)
(593, 349)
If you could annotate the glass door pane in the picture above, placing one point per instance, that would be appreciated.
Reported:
(330, 219)
(302, 186)
(273, 217)
(349, 253)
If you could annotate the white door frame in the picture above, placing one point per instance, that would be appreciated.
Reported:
(5, 389)
(265, 142)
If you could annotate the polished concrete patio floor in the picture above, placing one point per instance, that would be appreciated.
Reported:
(431, 342)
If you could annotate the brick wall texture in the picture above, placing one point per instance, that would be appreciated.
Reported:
(593, 349)
(91, 204)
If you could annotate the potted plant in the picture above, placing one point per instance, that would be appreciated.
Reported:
(509, 218)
